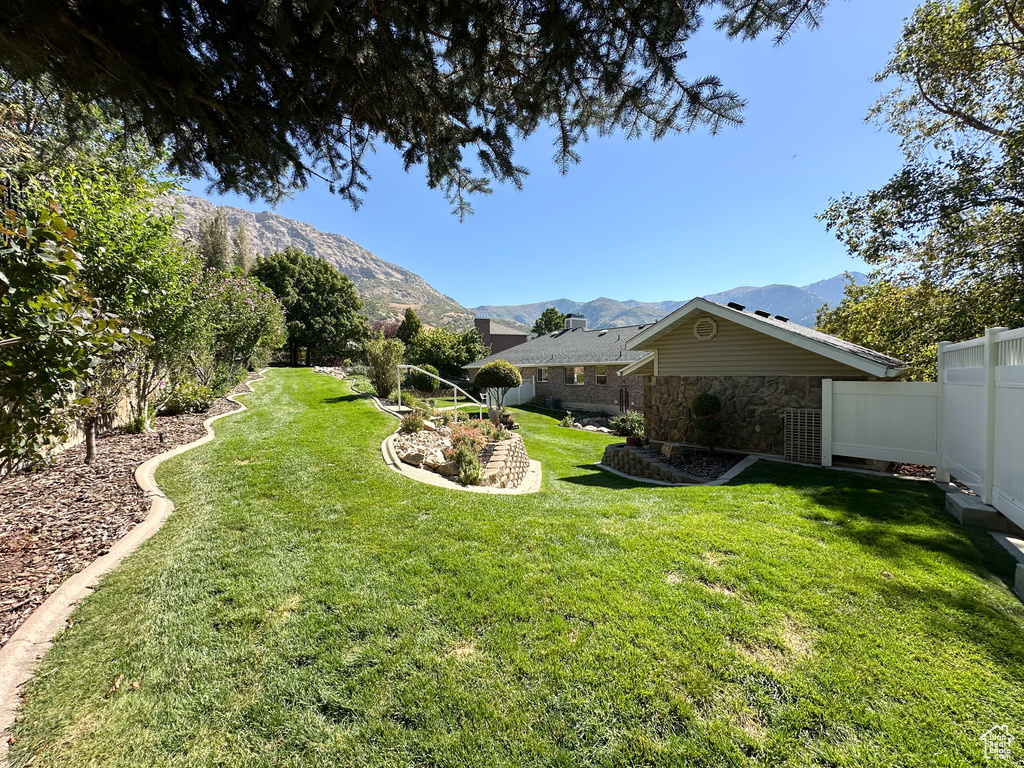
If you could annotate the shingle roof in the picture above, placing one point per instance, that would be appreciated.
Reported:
(576, 346)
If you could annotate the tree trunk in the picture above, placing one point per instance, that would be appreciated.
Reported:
(90, 439)
(293, 354)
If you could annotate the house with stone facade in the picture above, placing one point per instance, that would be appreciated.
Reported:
(579, 366)
(765, 370)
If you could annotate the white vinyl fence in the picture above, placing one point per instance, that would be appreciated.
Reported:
(518, 396)
(969, 423)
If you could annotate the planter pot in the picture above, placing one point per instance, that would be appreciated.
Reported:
(633, 442)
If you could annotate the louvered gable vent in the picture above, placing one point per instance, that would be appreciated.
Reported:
(705, 328)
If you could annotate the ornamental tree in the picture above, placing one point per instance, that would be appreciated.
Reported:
(410, 326)
(499, 376)
(261, 97)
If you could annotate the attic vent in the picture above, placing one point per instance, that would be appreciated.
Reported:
(782, 318)
(602, 333)
(762, 313)
(803, 435)
(734, 305)
(705, 328)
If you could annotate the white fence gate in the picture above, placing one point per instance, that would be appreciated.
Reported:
(969, 423)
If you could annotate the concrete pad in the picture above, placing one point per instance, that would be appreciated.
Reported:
(971, 511)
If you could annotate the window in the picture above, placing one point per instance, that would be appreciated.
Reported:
(602, 375)
(574, 376)
(542, 374)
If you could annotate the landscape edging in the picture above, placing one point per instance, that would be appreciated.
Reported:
(27, 646)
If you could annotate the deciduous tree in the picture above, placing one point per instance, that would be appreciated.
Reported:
(550, 320)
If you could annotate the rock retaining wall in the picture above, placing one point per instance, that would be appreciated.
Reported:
(507, 464)
(643, 462)
(753, 408)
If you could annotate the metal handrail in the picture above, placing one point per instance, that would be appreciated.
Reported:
(451, 384)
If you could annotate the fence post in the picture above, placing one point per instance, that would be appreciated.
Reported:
(991, 362)
(399, 406)
(826, 422)
(941, 473)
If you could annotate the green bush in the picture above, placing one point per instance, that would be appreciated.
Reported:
(359, 370)
(412, 422)
(422, 382)
(628, 424)
(409, 400)
(538, 401)
(189, 397)
(468, 463)
(568, 420)
(704, 410)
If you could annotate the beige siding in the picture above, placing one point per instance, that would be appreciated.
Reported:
(739, 351)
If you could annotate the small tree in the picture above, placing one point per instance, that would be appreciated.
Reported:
(705, 410)
(501, 376)
(241, 255)
(550, 320)
(383, 356)
(422, 381)
(215, 240)
(410, 327)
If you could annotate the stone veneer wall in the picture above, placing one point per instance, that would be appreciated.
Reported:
(507, 464)
(753, 408)
(590, 394)
(642, 462)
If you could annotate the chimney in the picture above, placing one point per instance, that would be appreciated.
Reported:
(575, 321)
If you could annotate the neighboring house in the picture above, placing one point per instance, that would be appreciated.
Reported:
(499, 337)
(763, 369)
(579, 366)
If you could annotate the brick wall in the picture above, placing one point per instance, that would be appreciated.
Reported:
(590, 395)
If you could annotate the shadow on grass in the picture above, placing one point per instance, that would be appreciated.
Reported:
(344, 398)
(895, 519)
(598, 478)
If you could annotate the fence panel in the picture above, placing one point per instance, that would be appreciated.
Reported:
(519, 395)
(889, 421)
(1008, 472)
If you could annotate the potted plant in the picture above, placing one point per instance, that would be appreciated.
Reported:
(629, 425)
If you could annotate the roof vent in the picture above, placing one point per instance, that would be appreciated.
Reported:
(762, 313)
(734, 305)
(602, 333)
(782, 318)
(705, 328)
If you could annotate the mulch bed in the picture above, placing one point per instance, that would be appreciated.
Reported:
(56, 521)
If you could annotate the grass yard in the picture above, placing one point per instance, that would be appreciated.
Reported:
(306, 606)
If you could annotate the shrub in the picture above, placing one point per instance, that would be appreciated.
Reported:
(409, 400)
(422, 382)
(568, 420)
(359, 370)
(188, 397)
(705, 410)
(412, 422)
(383, 357)
(467, 461)
(628, 424)
(470, 436)
(538, 401)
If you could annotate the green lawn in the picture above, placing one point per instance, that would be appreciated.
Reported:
(306, 606)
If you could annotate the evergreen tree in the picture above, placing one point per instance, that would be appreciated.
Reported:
(410, 326)
(241, 256)
(550, 320)
(265, 96)
(215, 241)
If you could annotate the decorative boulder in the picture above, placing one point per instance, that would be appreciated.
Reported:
(415, 458)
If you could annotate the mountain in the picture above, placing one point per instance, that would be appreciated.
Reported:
(385, 288)
(799, 303)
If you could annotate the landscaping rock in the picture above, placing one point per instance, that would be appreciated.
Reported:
(448, 469)
(415, 458)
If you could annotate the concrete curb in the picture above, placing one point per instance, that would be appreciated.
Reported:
(720, 480)
(23, 652)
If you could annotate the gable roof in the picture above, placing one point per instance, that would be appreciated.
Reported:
(572, 346)
(845, 352)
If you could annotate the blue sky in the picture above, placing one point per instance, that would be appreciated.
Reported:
(689, 215)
